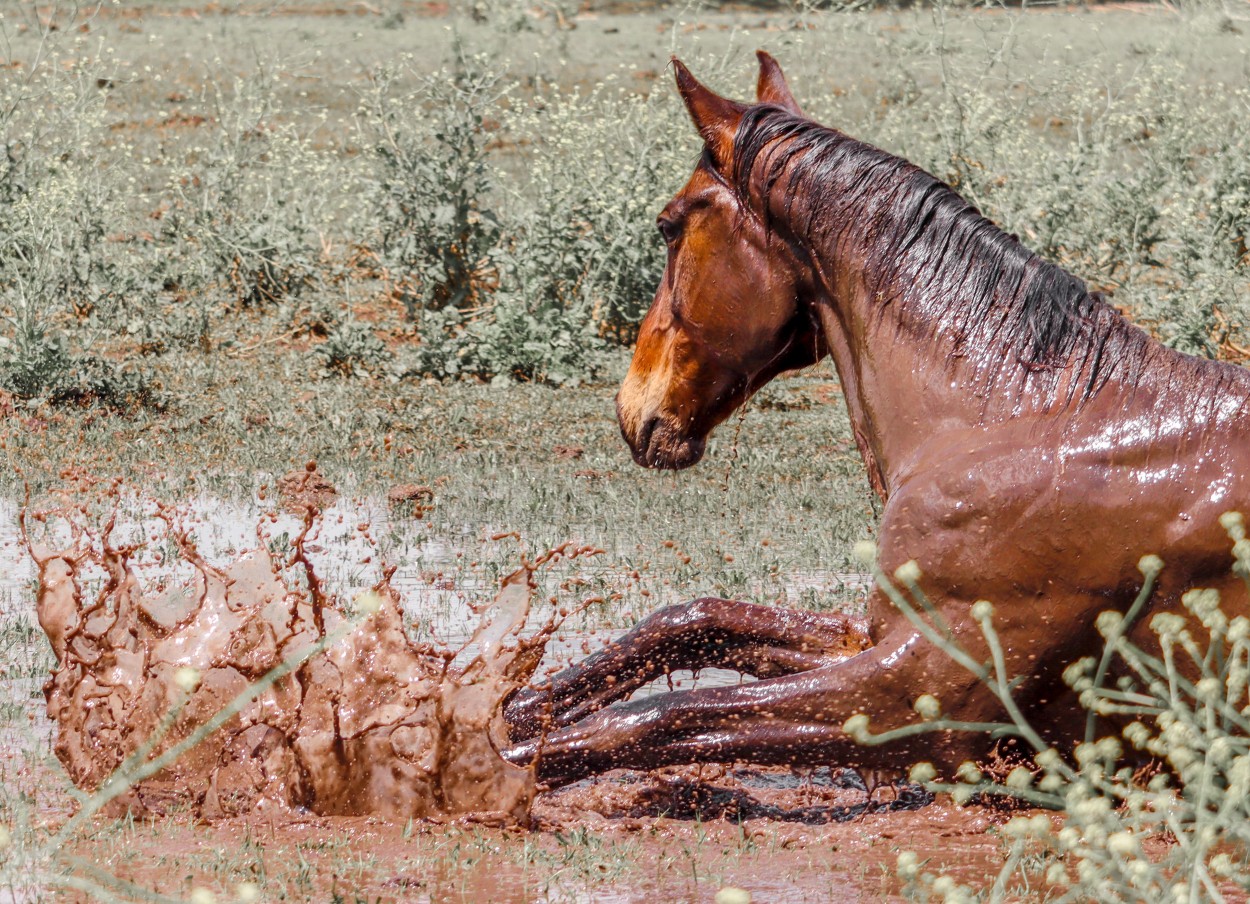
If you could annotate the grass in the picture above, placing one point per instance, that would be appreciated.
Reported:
(211, 306)
(493, 472)
(1174, 828)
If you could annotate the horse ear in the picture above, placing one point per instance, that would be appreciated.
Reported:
(771, 87)
(714, 116)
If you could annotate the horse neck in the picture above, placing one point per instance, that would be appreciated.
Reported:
(910, 364)
(893, 403)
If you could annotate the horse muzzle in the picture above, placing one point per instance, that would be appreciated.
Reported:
(656, 443)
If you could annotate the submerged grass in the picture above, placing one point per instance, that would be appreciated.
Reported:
(547, 465)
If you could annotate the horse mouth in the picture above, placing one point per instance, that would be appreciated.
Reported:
(659, 446)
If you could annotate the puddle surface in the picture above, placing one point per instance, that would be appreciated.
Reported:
(224, 592)
(318, 703)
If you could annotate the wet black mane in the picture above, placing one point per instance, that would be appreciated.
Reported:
(922, 245)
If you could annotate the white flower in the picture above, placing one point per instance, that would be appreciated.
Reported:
(908, 572)
(187, 678)
(1048, 758)
(1209, 689)
(922, 773)
(1150, 565)
(1137, 734)
(1017, 827)
(968, 772)
(1232, 522)
(1019, 778)
(865, 552)
(1109, 748)
(1221, 865)
(928, 707)
(908, 865)
(1167, 624)
(1108, 622)
(857, 727)
(1122, 844)
(982, 610)
(1076, 676)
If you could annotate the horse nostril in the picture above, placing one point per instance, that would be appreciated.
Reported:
(643, 441)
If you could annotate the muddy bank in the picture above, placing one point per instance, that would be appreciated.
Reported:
(363, 722)
(592, 857)
(374, 730)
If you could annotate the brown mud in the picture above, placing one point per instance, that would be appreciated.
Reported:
(376, 731)
(583, 854)
(373, 725)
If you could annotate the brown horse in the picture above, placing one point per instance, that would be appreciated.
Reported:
(1028, 443)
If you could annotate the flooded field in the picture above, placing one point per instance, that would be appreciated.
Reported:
(188, 591)
(312, 316)
(772, 831)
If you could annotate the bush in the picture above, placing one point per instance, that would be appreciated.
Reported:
(247, 207)
(53, 225)
(34, 365)
(351, 349)
(436, 232)
(529, 282)
(1188, 706)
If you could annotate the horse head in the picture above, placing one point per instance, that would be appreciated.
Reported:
(729, 314)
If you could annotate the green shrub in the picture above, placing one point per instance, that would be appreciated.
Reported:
(351, 349)
(597, 169)
(52, 274)
(436, 230)
(34, 365)
(249, 203)
(1179, 833)
(529, 281)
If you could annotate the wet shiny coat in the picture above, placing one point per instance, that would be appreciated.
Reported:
(1029, 444)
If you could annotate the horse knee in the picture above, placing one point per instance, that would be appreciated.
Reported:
(639, 726)
(692, 616)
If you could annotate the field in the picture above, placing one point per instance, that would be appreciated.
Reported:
(410, 243)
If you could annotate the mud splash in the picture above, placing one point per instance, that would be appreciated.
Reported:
(375, 724)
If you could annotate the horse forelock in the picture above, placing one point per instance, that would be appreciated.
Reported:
(924, 247)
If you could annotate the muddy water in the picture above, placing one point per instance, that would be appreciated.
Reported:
(363, 720)
(380, 728)
(642, 856)
(159, 624)
(349, 561)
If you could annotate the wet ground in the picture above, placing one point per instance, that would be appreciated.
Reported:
(769, 520)
(161, 618)
(609, 841)
(675, 834)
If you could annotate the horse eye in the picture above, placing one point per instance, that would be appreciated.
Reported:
(668, 229)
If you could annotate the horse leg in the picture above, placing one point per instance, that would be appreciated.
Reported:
(764, 641)
(793, 719)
